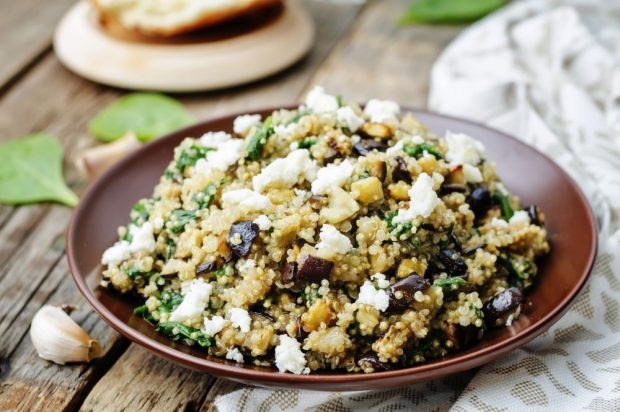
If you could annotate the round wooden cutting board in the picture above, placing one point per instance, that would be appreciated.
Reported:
(247, 49)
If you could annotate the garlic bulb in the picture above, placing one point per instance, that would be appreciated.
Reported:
(59, 339)
(94, 161)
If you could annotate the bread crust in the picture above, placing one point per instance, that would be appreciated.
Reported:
(206, 20)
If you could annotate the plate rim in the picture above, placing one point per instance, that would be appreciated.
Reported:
(421, 372)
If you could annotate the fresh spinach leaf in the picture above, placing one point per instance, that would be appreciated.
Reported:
(191, 155)
(204, 198)
(139, 213)
(179, 218)
(169, 301)
(31, 171)
(449, 11)
(148, 115)
(177, 331)
(143, 311)
(504, 203)
(259, 139)
(307, 143)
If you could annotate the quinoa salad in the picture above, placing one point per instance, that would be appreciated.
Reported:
(330, 237)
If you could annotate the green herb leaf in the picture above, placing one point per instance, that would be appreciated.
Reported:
(134, 274)
(340, 101)
(148, 115)
(31, 171)
(418, 149)
(143, 311)
(206, 196)
(139, 213)
(177, 331)
(449, 11)
(449, 284)
(169, 301)
(179, 218)
(259, 139)
(190, 156)
(307, 143)
(504, 203)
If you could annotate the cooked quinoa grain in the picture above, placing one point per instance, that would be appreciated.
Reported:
(328, 237)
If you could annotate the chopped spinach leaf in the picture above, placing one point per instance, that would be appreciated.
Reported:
(177, 331)
(206, 196)
(143, 311)
(448, 284)
(135, 274)
(259, 139)
(169, 301)
(138, 213)
(179, 218)
(418, 149)
(340, 101)
(306, 143)
(191, 155)
(504, 204)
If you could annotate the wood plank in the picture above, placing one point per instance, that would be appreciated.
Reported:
(56, 101)
(140, 381)
(26, 28)
(384, 60)
(28, 383)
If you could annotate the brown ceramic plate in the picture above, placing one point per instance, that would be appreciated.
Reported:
(526, 172)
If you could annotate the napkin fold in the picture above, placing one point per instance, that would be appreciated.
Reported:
(547, 72)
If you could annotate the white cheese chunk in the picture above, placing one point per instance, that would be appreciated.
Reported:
(347, 117)
(382, 282)
(245, 198)
(462, 149)
(472, 174)
(226, 155)
(240, 318)
(369, 295)
(320, 102)
(116, 254)
(158, 222)
(520, 218)
(422, 200)
(234, 354)
(330, 176)
(242, 124)
(263, 222)
(195, 300)
(499, 223)
(289, 356)
(214, 325)
(381, 110)
(142, 238)
(285, 172)
(214, 139)
(333, 240)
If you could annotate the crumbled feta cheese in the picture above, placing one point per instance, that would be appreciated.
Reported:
(381, 110)
(347, 117)
(214, 325)
(158, 222)
(195, 300)
(422, 200)
(226, 155)
(330, 176)
(142, 239)
(240, 318)
(499, 223)
(289, 356)
(369, 295)
(116, 254)
(285, 130)
(263, 222)
(398, 147)
(382, 282)
(245, 198)
(462, 149)
(234, 354)
(320, 102)
(293, 146)
(285, 172)
(472, 174)
(214, 139)
(520, 218)
(333, 240)
(242, 124)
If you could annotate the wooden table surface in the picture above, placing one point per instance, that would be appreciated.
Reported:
(360, 52)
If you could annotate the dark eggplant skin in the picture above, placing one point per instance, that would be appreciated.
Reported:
(462, 337)
(407, 287)
(248, 232)
(372, 360)
(289, 272)
(313, 269)
(365, 146)
(448, 188)
(480, 201)
(501, 304)
(401, 171)
(536, 216)
(205, 268)
(453, 263)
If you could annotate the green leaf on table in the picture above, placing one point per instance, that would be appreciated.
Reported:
(148, 115)
(449, 11)
(31, 171)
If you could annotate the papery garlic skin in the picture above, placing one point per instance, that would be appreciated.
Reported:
(57, 337)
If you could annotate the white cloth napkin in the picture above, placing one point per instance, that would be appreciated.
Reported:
(548, 72)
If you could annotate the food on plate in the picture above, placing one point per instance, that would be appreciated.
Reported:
(172, 17)
(332, 236)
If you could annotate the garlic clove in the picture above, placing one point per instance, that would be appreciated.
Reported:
(95, 160)
(57, 337)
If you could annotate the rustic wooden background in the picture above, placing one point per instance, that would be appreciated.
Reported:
(360, 52)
